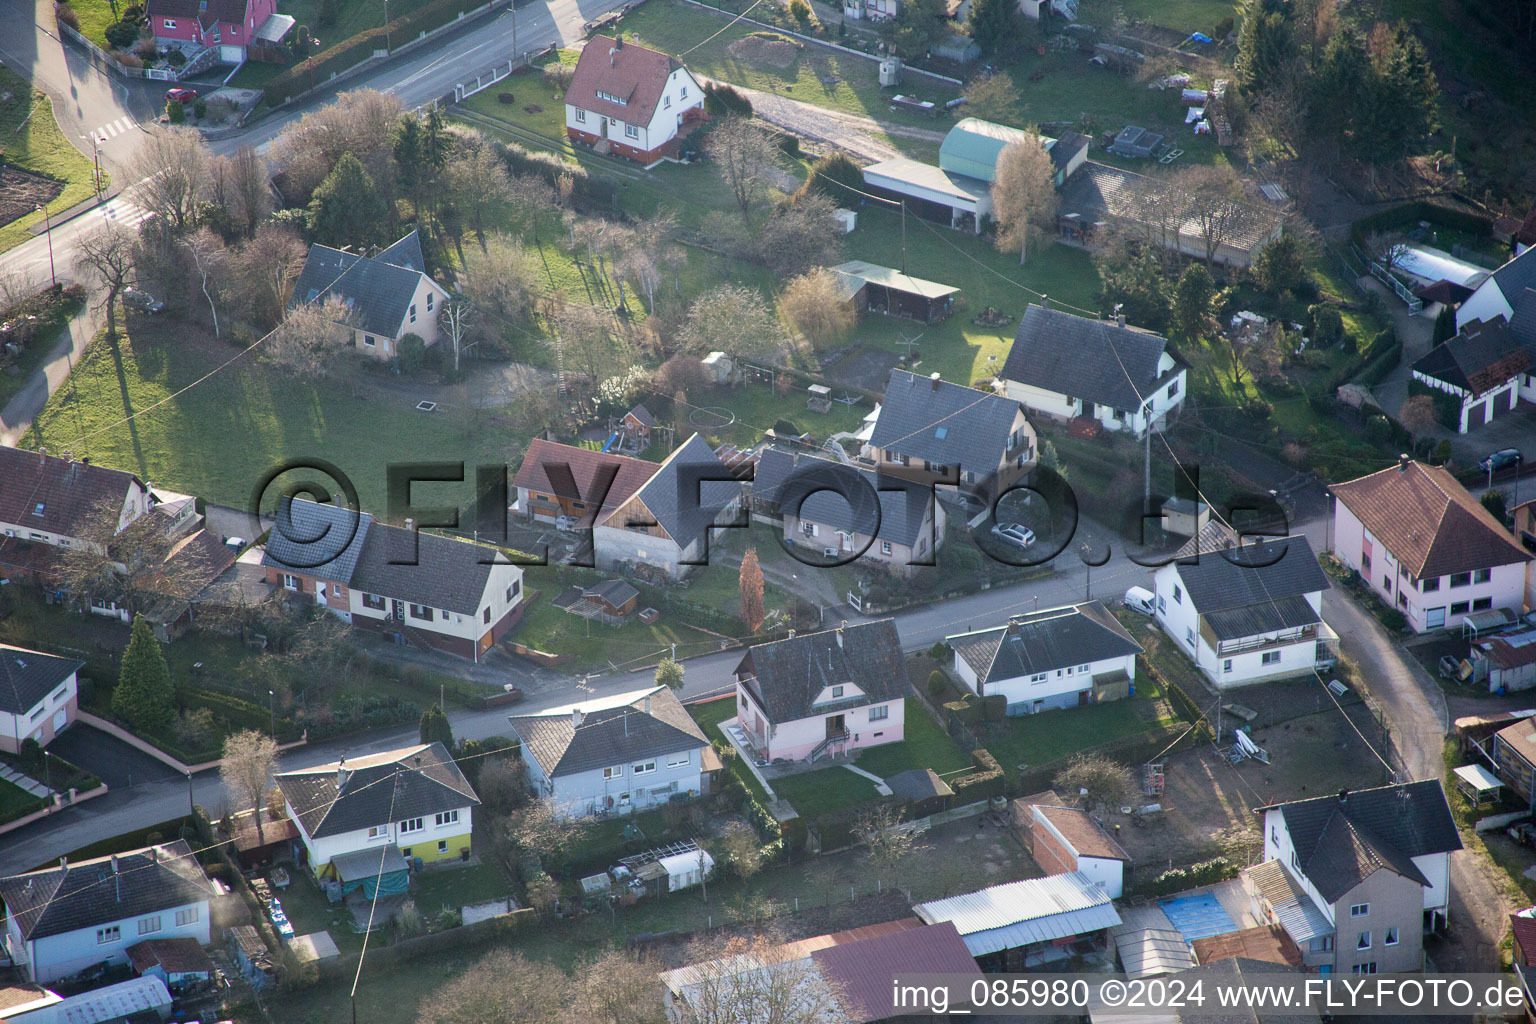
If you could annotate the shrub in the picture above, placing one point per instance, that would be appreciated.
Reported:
(1327, 324)
(413, 353)
(789, 144)
(1377, 430)
(941, 651)
(506, 97)
(802, 13)
(559, 76)
(176, 59)
(328, 13)
(128, 60)
(994, 707)
(199, 106)
(176, 111)
(122, 35)
(65, 15)
(722, 99)
(31, 754)
(1442, 453)
(1223, 28)
(937, 684)
(986, 781)
(1394, 620)
(786, 427)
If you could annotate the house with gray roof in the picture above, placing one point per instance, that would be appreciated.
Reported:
(1482, 367)
(1501, 292)
(397, 805)
(932, 431)
(1063, 366)
(1246, 613)
(62, 920)
(828, 693)
(665, 523)
(39, 695)
(1358, 879)
(616, 754)
(433, 592)
(1053, 658)
(834, 513)
(387, 296)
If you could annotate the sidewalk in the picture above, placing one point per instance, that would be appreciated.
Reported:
(24, 406)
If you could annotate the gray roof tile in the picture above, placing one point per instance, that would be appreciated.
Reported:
(1264, 617)
(378, 291)
(89, 893)
(816, 487)
(1098, 190)
(652, 724)
(324, 541)
(1516, 276)
(1097, 360)
(945, 424)
(436, 571)
(1481, 357)
(55, 495)
(27, 677)
(690, 491)
(376, 789)
(786, 676)
(1043, 641)
(1260, 573)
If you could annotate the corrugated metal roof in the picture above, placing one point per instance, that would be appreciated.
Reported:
(889, 277)
(1478, 777)
(1145, 952)
(1019, 913)
(893, 174)
(973, 146)
(1301, 918)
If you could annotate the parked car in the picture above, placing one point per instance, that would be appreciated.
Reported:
(1501, 459)
(142, 301)
(1014, 533)
(1140, 599)
(180, 95)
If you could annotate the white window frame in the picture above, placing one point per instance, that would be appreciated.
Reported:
(1390, 938)
(837, 691)
(1270, 658)
(885, 547)
(369, 341)
(378, 832)
(1360, 910)
(149, 925)
(446, 818)
(631, 132)
(110, 934)
(581, 115)
(411, 826)
(614, 772)
(413, 312)
(188, 915)
(643, 768)
(682, 760)
(168, 22)
(1363, 940)
(290, 581)
(880, 714)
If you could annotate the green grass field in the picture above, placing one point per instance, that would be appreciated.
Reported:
(15, 802)
(926, 745)
(825, 790)
(1180, 15)
(709, 715)
(32, 141)
(95, 16)
(1039, 739)
(547, 628)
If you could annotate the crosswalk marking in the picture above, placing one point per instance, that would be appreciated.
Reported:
(112, 129)
(120, 211)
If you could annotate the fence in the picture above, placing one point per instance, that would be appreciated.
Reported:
(59, 804)
(1386, 277)
(103, 60)
(464, 90)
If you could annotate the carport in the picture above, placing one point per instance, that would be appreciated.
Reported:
(377, 873)
(873, 288)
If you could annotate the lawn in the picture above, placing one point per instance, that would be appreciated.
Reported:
(254, 74)
(594, 645)
(459, 886)
(95, 16)
(33, 142)
(309, 910)
(825, 790)
(15, 802)
(1180, 15)
(926, 745)
(709, 715)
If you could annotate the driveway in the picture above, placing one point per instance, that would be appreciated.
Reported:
(111, 760)
(860, 135)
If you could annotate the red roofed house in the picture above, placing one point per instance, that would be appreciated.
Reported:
(1063, 839)
(227, 24)
(630, 100)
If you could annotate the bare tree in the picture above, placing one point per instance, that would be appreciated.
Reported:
(250, 758)
(454, 318)
(1386, 250)
(1023, 194)
(248, 196)
(615, 988)
(475, 180)
(308, 341)
(172, 171)
(205, 251)
(639, 265)
(800, 234)
(503, 277)
(541, 830)
(501, 988)
(264, 269)
(1418, 415)
(1101, 781)
(741, 848)
(1213, 202)
(731, 319)
(584, 340)
(744, 155)
(360, 122)
(109, 253)
(124, 562)
(878, 827)
(814, 304)
(756, 981)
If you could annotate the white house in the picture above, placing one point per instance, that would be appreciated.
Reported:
(616, 755)
(831, 692)
(1066, 839)
(48, 503)
(1359, 879)
(1504, 293)
(432, 591)
(1064, 366)
(1426, 546)
(1483, 367)
(1245, 614)
(63, 920)
(39, 694)
(387, 296)
(408, 803)
(630, 100)
(1054, 658)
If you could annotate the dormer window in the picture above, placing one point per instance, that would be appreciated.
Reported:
(622, 101)
(837, 691)
(37, 509)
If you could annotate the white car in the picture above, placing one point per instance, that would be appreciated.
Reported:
(1023, 536)
(235, 544)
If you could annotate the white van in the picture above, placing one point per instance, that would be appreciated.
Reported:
(1140, 599)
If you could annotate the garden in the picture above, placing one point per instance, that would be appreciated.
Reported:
(54, 172)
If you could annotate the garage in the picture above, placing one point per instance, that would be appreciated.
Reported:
(231, 55)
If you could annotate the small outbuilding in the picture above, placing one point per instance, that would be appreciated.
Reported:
(876, 289)
(1135, 142)
(1478, 784)
(180, 963)
(1030, 923)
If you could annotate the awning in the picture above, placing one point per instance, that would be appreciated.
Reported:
(1301, 918)
(1481, 622)
(383, 871)
(1479, 778)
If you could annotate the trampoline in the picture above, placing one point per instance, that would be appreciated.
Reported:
(1198, 917)
(712, 417)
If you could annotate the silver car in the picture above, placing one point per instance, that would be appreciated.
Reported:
(142, 301)
(1014, 533)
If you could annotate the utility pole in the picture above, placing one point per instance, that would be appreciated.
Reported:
(1146, 468)
(387, 47)
(191, 806)
(903, 236)
(48, 230)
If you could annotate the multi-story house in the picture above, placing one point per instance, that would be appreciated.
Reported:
(561, 480)
(1481, 368)
(630, 100)
(435, 592)
(411, 803)
(826, 693)
(1426, 546)
(49, 503)
(386, 296)
(617, 754)
(62, 920)
(231, 25)
(1054, 658)
(1358, 879)
(39, 694)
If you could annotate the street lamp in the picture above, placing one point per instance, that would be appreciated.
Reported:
(96, 156)
(386, 27)
(272, 707)
(48, 230)
(315, 45)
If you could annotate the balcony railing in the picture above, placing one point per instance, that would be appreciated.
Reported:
(826, 744)
(1248, 644)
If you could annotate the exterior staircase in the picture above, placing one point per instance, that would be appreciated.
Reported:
(827, 744)
(415, 637)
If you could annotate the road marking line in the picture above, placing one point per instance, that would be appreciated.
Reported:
(124, 122)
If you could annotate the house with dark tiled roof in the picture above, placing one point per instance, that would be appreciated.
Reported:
(616, 754)
(401, 804)
(387, 296)
(1358, 879)
(1499, 294)
(39, 695)
(829, 693)
(1245, 613)
(1481, 367)
(666, 522)
(229, 25)
(630, 100)
(932, 431)
(431, 591)
(834, 513)
(60, 921)
(1426, 546)
(1063, 366)
(48, 503)
(1052, 658)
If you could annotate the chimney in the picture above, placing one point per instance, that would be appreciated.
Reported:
(934, 376)
(69, 456)
(576, 717)
(42, 456)
(647, 704)
(341, 774)
(618, 40)
(64, 863)
(1402, 462)
(117, 880)
(1045, 302)
(791, 634)
(410, 524)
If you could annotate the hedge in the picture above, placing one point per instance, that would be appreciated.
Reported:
(1411, 213)
(1447, 406)
(1174, 880)
(982, 784)
(551, 168)
(354, 50)
(241, 714)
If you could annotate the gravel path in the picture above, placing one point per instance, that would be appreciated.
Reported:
(862, 136)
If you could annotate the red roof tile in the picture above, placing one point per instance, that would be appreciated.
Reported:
(571, 472)
(629, 72)
(861, 972)
(1524, 928)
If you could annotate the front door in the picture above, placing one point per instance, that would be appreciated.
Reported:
(1088, 408)
(320, 592)
(835, 725)
(397, 609)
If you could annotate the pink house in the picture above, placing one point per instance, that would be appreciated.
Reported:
(230, 25)
(827, 693)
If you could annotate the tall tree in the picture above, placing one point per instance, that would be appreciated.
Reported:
(1135, 279)
(205, 252)
(798, 235)
(347, 208)
(876, 827)
(1023, 194)
(247, 194)
(1213, 203)
(920, 26)
(731, 319)
(455, 318)
(263, 271)
(616, 988)
(500, 988)
(125, 564)
(994, 25)
(475, 181)
(669, 673)
(250, 758)
(108, 252)
(144, 696)
(1281, 266)
(814, 305)
(309, 340)
(361, 122)
(751, 591)
(1192, 299)
(745, 156)
(435, 727)
(1445, 325)
(788, 990)
(171, 168)
(992, 96)
(1107, 783)
(1265, 42)
(503, 277)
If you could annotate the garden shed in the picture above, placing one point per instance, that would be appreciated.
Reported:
(873, 288)
(1029, 923)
